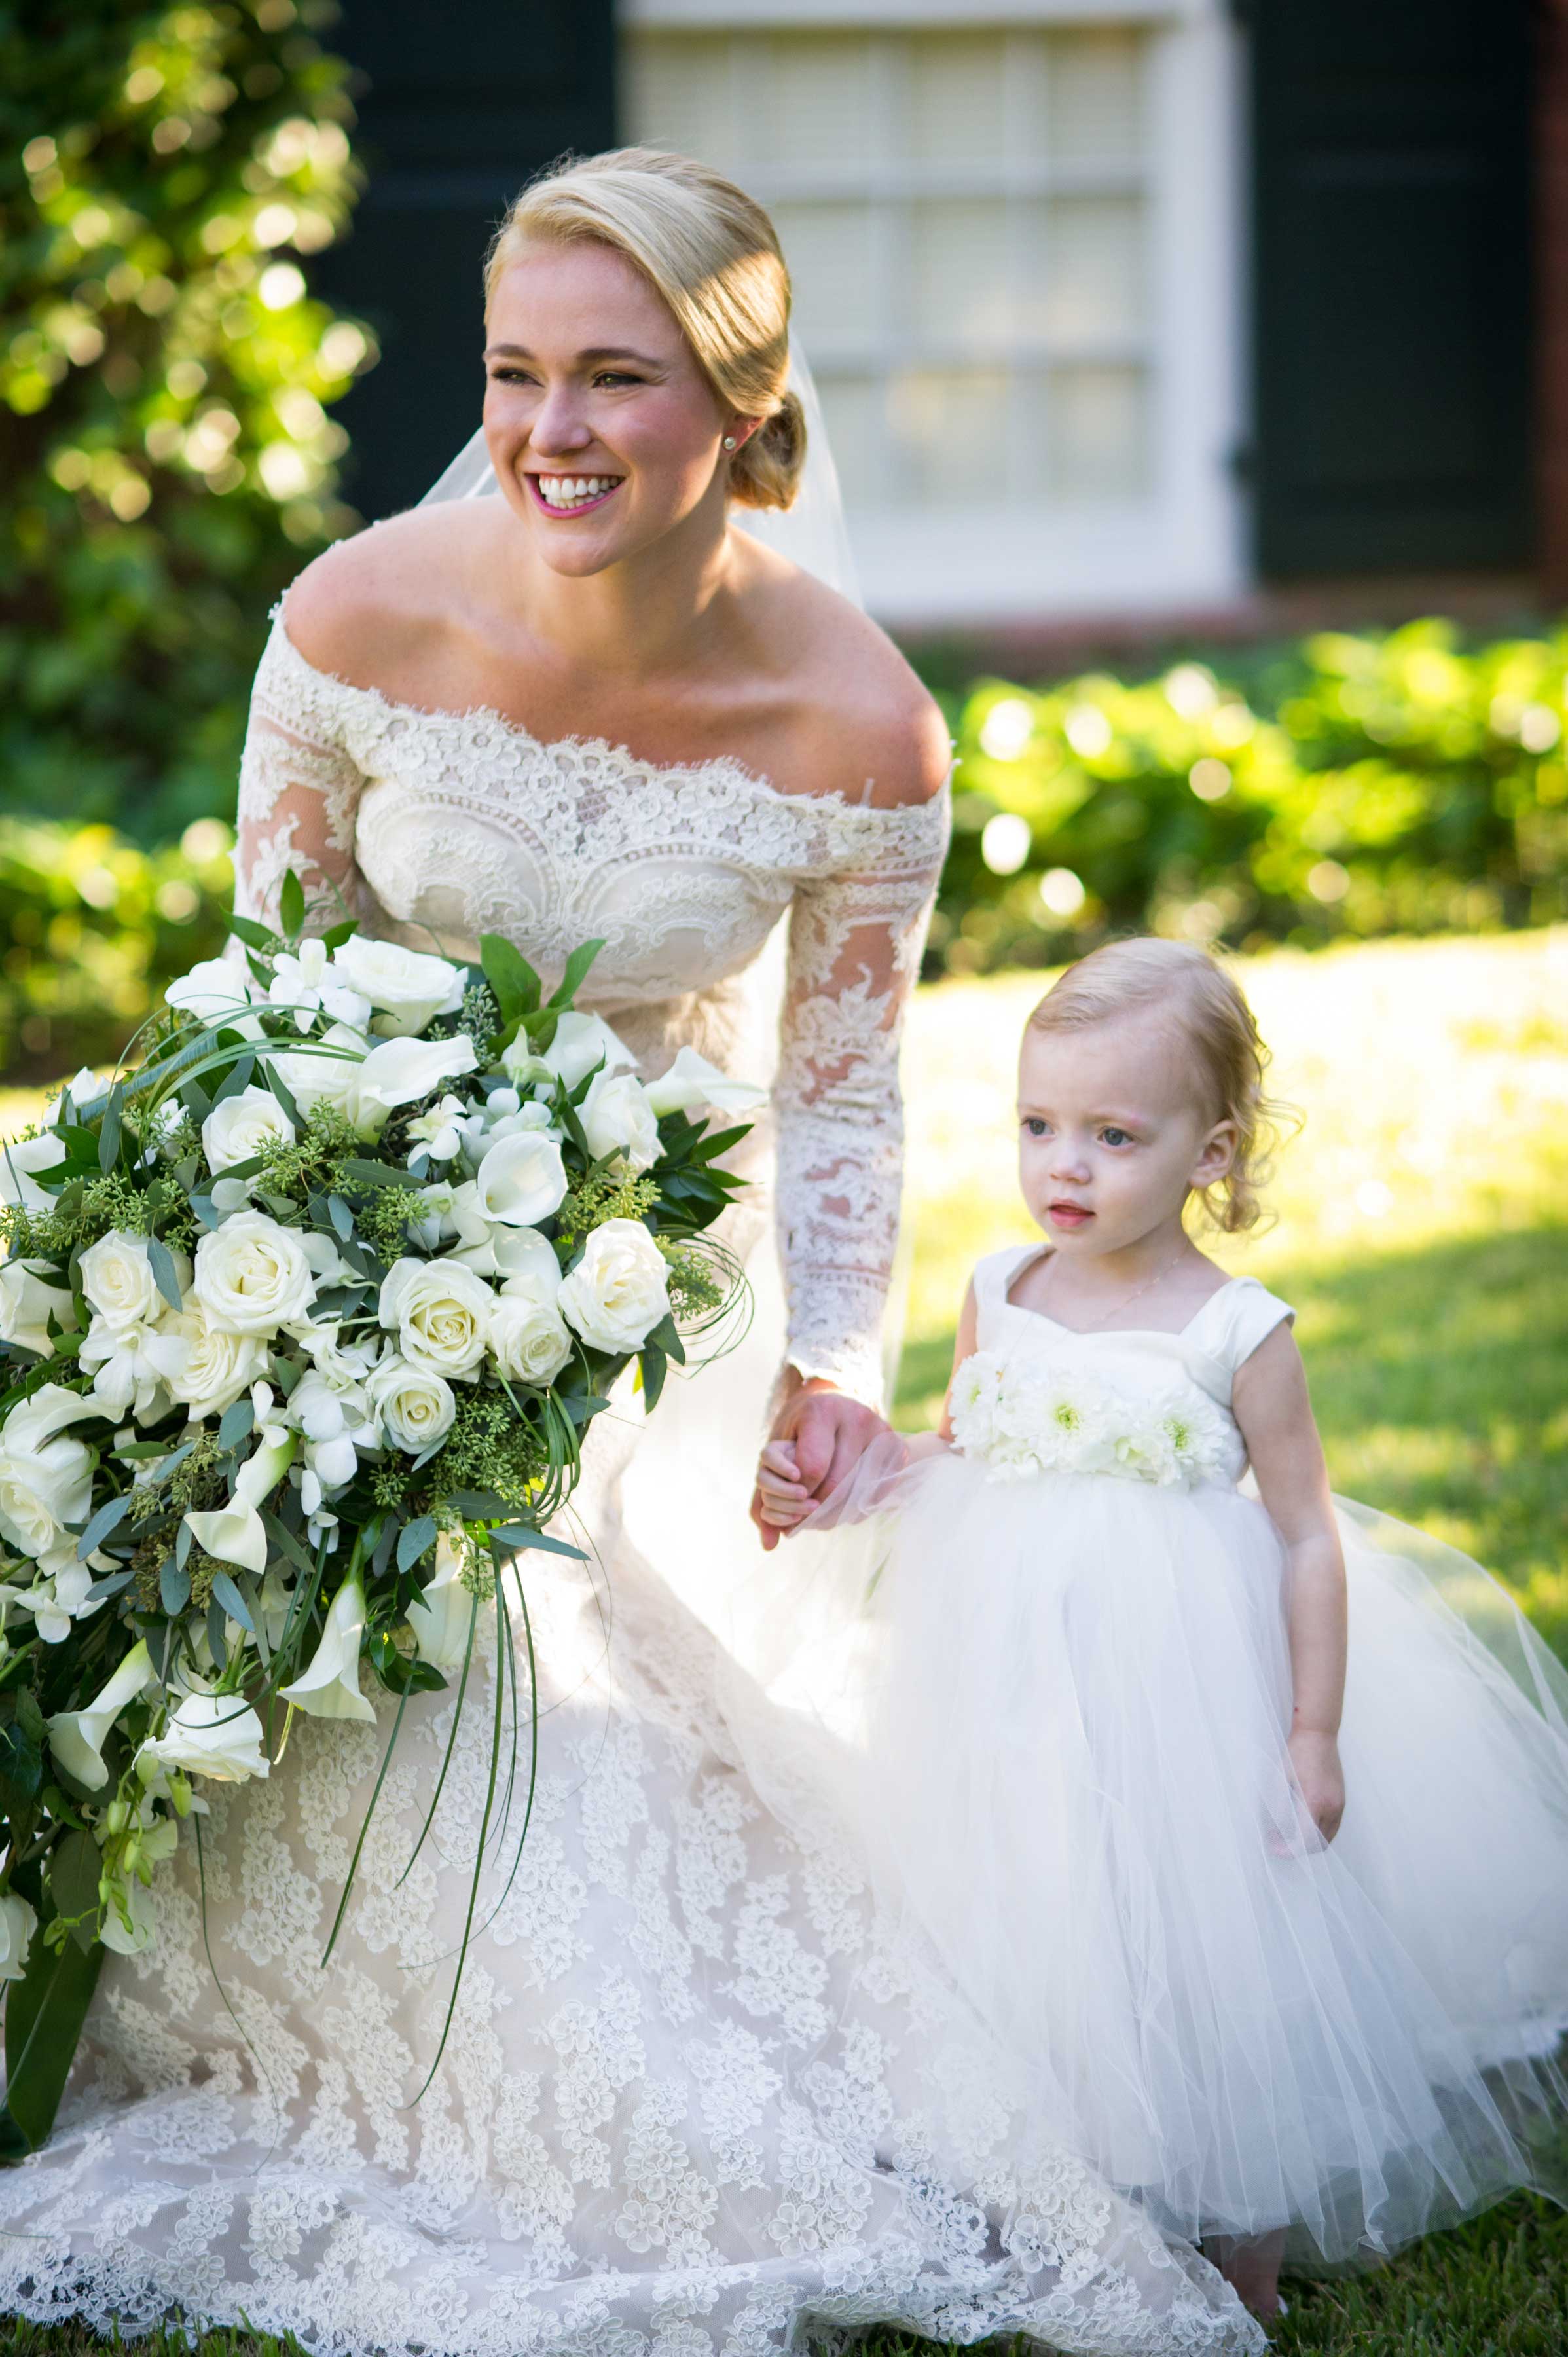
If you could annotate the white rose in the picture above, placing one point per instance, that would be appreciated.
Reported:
(399, 1072)
(17, 1924)
(529, 1342)
(252, 1277)
(211, 1735)
(204, 1367)
(416, 1409)
(18, 1160)
(117, 1278)
(45, 1479)
(29, 1297)
(619, 1289)
(440, 1313)
(242, 1126)
(521, 1180)
(617, 1119)
(581, 1041)
(214, 991)
(693, 1080)
(408, 986)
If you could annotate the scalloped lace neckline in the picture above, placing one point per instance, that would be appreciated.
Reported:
(728, 765)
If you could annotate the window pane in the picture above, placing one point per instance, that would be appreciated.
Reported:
(949, 435)
(957, 98)
(1094, 269)
(960, 274)
(829, 249)
(1094, 109)
(679, 95)
(856, 412)
(808, 97)
(1097, 434)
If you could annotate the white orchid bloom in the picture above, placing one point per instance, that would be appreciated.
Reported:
(334, 1422)
(127, 1370)
(77, 1736)
(581, 1042)
(235, 1532)
(439, 1131)
(59, 1595)
(693, 1080)
(329, 1688)
(308, 980)
(442, 1615)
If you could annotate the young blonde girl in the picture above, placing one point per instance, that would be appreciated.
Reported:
(1242, 1818)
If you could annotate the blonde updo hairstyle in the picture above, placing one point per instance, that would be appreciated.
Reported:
(1185, 988)
(714, 256)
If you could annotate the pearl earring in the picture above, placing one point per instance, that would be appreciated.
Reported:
(729, 441)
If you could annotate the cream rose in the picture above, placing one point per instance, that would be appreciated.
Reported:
(18, 1160)
(211, 1734)
(409, 987)
(46, 1479)
(415, 1409)
(242, 1126)
(29, 1297)
(521, 1180)
(529, 1339)
(204, 1367)
(117, 1278)
(619, 1289)
(617, 1119)
(252, 1275)
(440, 1313)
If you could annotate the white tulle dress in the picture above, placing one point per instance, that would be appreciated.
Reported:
(1064, 1697)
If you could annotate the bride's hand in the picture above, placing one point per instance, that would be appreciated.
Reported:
(829, 1433)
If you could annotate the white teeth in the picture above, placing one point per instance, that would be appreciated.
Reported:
(569, 490)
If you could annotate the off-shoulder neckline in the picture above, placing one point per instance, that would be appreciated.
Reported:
(728, 765)
(1096, 1333)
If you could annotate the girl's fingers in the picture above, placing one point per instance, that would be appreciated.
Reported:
(779, 1457)
(773, 1485)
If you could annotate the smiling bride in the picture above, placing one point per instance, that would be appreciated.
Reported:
(696, 2096)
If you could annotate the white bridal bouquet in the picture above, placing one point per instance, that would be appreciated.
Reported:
(301, 1326)
(1022, 1416)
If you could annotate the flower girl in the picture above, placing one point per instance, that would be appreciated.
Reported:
(1242, 1819)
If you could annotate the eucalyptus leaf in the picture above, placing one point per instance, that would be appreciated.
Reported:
(414, 1540)
(160, 1260)
(174, 1588)
(102, 1522)
(227, 1594)
(235, 1423)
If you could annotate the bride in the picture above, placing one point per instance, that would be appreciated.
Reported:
(694, 2098)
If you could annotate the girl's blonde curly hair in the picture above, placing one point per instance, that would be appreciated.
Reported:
(1182, 985)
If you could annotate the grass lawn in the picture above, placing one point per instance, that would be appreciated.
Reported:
(1423, 1234)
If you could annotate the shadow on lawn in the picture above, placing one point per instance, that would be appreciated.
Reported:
(1440, 1378)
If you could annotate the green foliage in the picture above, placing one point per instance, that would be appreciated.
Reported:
(92, 928)
(1366, 785)
(166, 459)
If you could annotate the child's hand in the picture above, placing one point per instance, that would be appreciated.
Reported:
(783, 1498)
(1316, 1759)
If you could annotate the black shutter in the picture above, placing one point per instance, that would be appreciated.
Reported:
(458, 105)
(1391, 276)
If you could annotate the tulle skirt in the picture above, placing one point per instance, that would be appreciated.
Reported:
(1060, 1709)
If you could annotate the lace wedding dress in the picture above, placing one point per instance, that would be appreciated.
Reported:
(693, 2098)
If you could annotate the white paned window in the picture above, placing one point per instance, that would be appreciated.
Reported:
(966, 216)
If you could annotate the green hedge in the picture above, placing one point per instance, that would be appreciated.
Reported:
(1355, 784)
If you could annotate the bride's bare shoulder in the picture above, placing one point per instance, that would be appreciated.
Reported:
(366, 604)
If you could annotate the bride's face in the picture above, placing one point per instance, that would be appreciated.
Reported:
(603, 430)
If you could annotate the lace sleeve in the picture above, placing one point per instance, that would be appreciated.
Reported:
(298, 789)
(856, 938)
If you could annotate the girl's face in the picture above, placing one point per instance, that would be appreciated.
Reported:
(1112, 1134)
(603, 431)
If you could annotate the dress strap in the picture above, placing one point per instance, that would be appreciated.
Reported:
(1233, 1321)
(992, 1277)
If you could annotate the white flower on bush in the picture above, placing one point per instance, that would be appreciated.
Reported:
(209, 1734)
(304, 981)
(117, 1278)
(18, 1160)
(46, 1478)
(409, 987)
(127, 1375)
(205, 1368)
(77, 1736)
(329, 1688)
(17, 1924)
(442, 1616)
(693, 1080)
(242, 1126)
(522, 1181)
(617, 1119)
(217, 991)
(30, 1295)
(253, 1275)
(440, 1313)
(619, 1290)
(581, 1042)
(415, 1409)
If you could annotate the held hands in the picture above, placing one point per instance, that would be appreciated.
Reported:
(819, 1437)
(1315, 1756)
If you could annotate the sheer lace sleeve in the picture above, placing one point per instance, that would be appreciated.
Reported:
(855, 937)
(298, 789)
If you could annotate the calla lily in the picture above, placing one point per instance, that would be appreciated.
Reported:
(329, 1688)
(581, 1042)
(235, 1532)
(77, 1736)
(441, 1617)
(693, 1080)
(521, 1180)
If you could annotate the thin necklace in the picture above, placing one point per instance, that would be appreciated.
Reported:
(1127, 1299)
